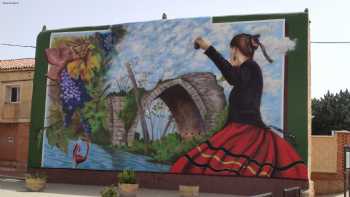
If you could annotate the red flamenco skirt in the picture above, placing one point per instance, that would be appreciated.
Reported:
(245, 150)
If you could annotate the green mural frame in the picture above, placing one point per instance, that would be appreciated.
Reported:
(297, 77)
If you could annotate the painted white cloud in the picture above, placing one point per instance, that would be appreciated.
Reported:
(275, 48)
(272, 85)
(262, 30)
(164, 50)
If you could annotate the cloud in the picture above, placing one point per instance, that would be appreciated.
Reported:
(164, 50)
(275, 48)
(262, 29)
(272, 85)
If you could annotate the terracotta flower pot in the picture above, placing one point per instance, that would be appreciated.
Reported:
(129, 190)
(188, 191)
(35, 184)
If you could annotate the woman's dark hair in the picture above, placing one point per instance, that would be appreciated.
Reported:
(247, 44)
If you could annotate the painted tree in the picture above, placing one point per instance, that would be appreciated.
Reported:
(170, 125)
(331, 112)
(132, 80)
(159, 119)
(138, 102)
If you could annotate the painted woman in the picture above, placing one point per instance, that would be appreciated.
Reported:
(245, 146)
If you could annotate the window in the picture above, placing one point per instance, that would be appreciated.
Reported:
(13, 94)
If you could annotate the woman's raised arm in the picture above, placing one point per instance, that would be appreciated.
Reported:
(230, 73)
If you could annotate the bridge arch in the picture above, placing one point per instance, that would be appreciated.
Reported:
(183, 101)
(195, 100)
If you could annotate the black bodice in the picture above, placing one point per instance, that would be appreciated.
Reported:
(245, 96)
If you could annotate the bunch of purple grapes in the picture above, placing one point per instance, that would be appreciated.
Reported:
(73, 95)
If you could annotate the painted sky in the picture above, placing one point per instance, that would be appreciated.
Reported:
(162, 50)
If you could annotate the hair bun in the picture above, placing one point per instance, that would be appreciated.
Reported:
(256, 36)
(255, 41)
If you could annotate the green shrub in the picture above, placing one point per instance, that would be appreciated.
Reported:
(170, 147)
(127, 176)
(110, 191)
(129, 111)
(162, 150)
(138, 147)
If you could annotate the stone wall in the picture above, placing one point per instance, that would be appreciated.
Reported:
(16, 112)
(15, 120)
(14, 155)
(328, 179)
(116, 125)
(119, 135)
(324, 159)
(210, 92)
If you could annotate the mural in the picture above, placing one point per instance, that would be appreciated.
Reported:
(177, 96)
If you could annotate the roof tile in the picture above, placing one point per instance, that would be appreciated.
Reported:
(23, 64)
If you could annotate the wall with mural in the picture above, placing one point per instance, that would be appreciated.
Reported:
(192, 96)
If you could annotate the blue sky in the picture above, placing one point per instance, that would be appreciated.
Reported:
(21, 23)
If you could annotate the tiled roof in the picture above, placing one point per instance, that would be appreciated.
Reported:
(25, 64)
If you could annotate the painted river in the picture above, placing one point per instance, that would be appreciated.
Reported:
(98, 159)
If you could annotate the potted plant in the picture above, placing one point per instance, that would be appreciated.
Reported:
(189, 190)
(110, 191)
(35, 181)
(127, 183)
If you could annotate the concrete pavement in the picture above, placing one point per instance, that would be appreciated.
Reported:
(15, 188)
(10, 187)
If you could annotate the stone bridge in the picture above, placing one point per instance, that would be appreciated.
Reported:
(194, 100)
